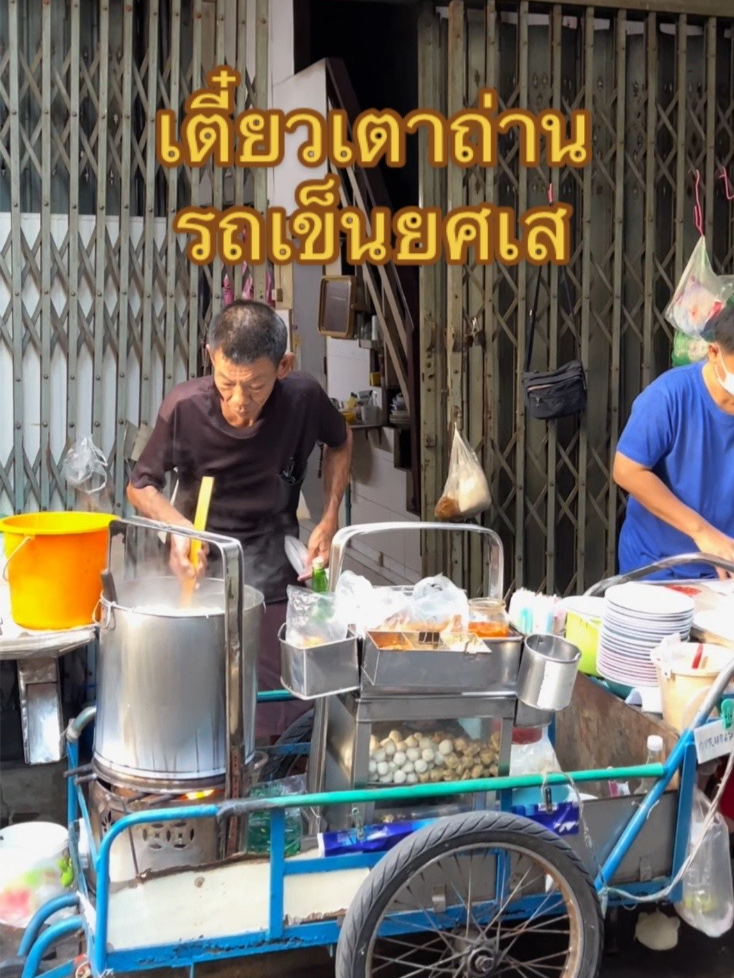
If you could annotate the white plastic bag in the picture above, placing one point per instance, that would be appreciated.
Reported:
(466, 492)
(438, 601)
(707, 901)
(85, 466)
(699, 295)
(297, 554)
(311, 619)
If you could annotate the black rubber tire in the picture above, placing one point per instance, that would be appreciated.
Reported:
(299, 732)
(454, 832)
(12, 967)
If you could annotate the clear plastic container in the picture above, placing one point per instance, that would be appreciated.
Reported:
(655, 755)
(488, 618)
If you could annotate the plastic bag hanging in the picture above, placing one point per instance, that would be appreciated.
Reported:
(707, 899)
(699, 295)
(466, 491)
(85, 466)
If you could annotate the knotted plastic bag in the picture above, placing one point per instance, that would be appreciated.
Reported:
(466, 492)
(85, 466)
(707, 900)
(699, 295)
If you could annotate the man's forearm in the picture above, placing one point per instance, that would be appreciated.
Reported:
(655, 496)
(337, 463)
(152, 504)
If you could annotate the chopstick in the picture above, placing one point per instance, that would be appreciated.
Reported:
(202, 513)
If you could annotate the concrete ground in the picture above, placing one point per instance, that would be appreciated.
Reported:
(38, 792)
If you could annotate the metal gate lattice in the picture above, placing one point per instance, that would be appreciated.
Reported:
(100, 311)
(660, 89)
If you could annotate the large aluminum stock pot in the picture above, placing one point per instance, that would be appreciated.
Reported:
(162, 672)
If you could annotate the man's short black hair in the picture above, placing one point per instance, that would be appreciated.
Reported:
(246, 331)
(720, 328)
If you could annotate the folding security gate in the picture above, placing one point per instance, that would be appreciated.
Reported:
(100, 311)
(660, 89)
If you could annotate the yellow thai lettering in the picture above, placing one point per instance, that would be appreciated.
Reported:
(236, 247)
(506, 246)
(280, 248)
(313, 151)
(417, 236)
(206, 134)
(341, 150)
(316, 231)
(574, 150)
(379, 135)
(365, 244)
(315, 223)
(202, 223)
(465, 228)
(168, 151)
(472, 138)
(260, 138)
(547, 234)
(218, 95)
(318, 193)
(436, 133)
(529, 134)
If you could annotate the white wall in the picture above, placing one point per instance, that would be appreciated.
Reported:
(378, 496)
(379, 490)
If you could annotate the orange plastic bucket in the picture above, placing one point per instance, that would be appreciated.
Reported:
(54, 563)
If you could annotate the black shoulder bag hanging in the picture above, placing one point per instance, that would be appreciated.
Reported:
(554, 393)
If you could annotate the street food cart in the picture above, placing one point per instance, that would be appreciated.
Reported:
(469, 871)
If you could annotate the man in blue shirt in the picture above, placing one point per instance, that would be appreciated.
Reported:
(676, 460)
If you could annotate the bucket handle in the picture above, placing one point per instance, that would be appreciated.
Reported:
(20, 546)
(109, 616)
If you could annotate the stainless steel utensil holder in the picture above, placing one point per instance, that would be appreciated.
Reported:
(548, 671)
(324, 670)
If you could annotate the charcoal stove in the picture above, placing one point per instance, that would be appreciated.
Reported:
(156, 846)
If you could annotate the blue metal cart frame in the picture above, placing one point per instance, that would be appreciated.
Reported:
(93, 918)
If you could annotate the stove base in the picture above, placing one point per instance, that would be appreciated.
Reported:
(185, 843)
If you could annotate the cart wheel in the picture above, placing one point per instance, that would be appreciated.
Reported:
(299, 732)
(475, 896)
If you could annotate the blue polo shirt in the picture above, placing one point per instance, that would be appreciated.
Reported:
(678, 432)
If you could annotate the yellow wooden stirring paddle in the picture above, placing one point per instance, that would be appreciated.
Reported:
(202, 512)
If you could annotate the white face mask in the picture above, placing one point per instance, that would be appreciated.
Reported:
(727, 381)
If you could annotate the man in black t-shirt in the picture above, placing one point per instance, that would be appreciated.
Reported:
(252, 426)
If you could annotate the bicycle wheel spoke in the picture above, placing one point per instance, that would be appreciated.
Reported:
(439, 910)
(533, 969)
(438, 969)
(411, 947)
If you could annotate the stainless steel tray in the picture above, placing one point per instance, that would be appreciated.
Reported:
(494, 669)
(319, 671)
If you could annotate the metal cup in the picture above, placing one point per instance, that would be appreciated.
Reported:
(548, 668)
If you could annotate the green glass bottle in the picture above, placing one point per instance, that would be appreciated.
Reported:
(319, 580)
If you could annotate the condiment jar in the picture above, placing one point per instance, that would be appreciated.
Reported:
(488, 618)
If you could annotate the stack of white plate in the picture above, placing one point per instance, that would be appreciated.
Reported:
(636, 618)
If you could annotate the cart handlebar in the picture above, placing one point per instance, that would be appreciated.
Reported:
(346, 534)
(665, 564)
